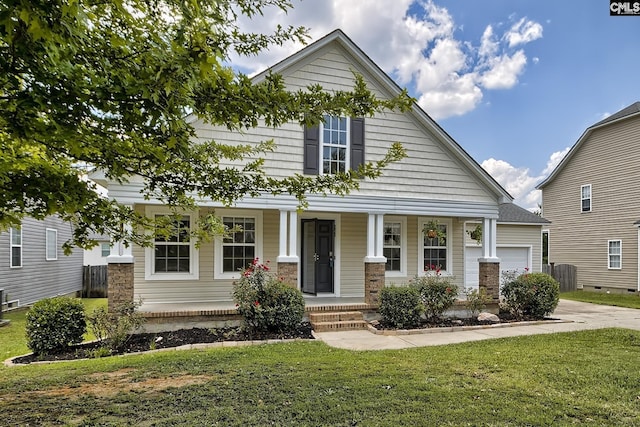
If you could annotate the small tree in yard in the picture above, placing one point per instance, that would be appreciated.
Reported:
(115, 85)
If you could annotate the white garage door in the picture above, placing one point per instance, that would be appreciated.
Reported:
(510, 259)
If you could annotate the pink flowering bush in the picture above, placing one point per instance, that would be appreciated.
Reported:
(266, 303)
(530, 295)
(437, 293)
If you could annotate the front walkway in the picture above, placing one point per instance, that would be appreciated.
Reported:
(577, 316)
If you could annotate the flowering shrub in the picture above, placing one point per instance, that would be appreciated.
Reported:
(400, 307)
(53, 324)
(477, 300)
(531, 294)
(437, 293)
(266, 303)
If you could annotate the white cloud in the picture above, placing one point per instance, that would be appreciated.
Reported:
(523, 32)
(503, 71)
(416, 42)
(520, 182)
(554, 160)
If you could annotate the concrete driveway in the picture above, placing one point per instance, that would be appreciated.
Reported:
(571, 315)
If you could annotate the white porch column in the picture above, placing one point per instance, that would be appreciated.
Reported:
(375, 239)
(121, 253)
(288, 234)
(489, 240)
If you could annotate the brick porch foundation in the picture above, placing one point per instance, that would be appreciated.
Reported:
(288, 271)
(373, 282)
(119, 284)
(490, 280)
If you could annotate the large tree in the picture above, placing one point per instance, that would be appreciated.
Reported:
(112, 83)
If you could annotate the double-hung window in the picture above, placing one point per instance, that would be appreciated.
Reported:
(335, 146)
(15, 239)
(242, 244)
(173, 255)
(105, 249)
(615, 254)
(51, 244)
(585, 195)
(435, 253)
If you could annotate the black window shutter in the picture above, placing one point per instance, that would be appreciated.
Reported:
(357, 142)
(311, 150)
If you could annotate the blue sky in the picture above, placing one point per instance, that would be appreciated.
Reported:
(515, 83)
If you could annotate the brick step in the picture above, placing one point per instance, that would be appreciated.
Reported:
(335, 317)
(345, 325)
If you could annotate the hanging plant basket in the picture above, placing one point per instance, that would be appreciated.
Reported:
(433, 231)
(476, 233)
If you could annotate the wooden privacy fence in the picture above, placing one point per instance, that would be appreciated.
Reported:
(94, 281)
(566, 274)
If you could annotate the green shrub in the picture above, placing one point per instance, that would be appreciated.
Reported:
(437, 293)
(54, 324)
(113, 329)
(400, 307)
(477, 301)
(532, 295)
(266, 303)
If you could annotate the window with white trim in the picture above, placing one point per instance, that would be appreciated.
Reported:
(435, 253)
(15, 241)
(51, 244)
(105, 249)
(585, 197)
(615, 254)
(238, 250)
(335, 145)
(394, 246)
(173, 256)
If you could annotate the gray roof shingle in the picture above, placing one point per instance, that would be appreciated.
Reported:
(509, 212)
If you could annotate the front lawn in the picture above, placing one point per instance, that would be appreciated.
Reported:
(588, 377)
(620, 300)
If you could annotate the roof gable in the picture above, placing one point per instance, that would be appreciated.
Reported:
(632, 110)
(385, 83)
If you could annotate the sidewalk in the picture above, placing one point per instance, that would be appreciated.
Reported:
(576, 316)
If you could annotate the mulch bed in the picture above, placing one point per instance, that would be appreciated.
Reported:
(148, 341)
(450, 322)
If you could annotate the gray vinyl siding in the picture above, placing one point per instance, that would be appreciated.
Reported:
(609, 160)
(428, 171)
(39, 278)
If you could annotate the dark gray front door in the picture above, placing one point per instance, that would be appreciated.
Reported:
(317, 255)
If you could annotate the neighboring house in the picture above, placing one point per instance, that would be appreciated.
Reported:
(341, 248)
(98, 254)
(33, 265)
(591, 199)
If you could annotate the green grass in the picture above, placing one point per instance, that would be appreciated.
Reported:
(620, 300)
(13, 341)
(588, 377)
